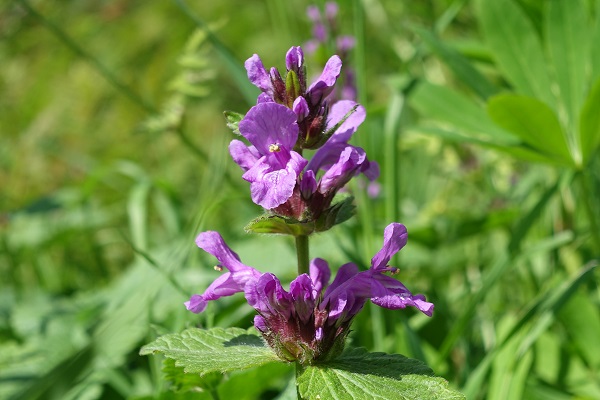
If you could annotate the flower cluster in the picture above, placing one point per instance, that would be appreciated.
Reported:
(289, 117)
(309, 323)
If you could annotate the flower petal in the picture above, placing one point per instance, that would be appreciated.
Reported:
(212, 242)
(337, 113)
(244, 156)
(267, 296)
(323, 86)
(271, 188)
(348, 164)
(398, 296)
(319, 274)
(308, 184)
(294, 58)
(270, 123)
(300, 107)
(303, 298)
(257, 74)
(395, 237)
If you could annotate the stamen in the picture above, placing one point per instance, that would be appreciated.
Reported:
(218, 268)
(274, 148)
(394, 271)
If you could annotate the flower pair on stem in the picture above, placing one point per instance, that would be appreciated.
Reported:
(310, 322)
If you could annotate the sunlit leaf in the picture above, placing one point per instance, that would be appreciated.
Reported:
(516, 47)
(358, 374)
(533, 121)
(217, 350)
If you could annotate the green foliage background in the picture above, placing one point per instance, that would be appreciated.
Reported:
(113, 156)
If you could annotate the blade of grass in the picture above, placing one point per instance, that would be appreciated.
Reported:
(545, 306)
(497, 270)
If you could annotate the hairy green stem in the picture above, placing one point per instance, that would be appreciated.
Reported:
(302, 253)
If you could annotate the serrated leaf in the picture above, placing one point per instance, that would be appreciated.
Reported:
(532, 121)
(233, 121)
(358, 374)
(216, 350)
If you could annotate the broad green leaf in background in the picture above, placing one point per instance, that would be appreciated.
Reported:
(589, 126)
(582, 322)
(516, 47)
(460, 112)
(533, 121)
(357, 374)
(216, 350)
(567, 39)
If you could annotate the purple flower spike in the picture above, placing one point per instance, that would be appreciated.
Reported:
(270, 165)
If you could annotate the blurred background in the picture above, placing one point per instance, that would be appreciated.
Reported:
(484, 118)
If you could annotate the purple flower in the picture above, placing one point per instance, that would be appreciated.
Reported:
(310, 322)
(270, 164)
(309, 103)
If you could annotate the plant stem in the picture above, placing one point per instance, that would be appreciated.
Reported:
(302, 252)
(594, 227)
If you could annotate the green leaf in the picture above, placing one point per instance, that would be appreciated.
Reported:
(533, 121)
(463, 114)
(589, 125)
(233, 121)
(581, 320)
(358, 374)
(460, 65)
(336, 214)
(518, 151)
(516, 47)
(567, 37)
(216, 350)
(279, 225)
